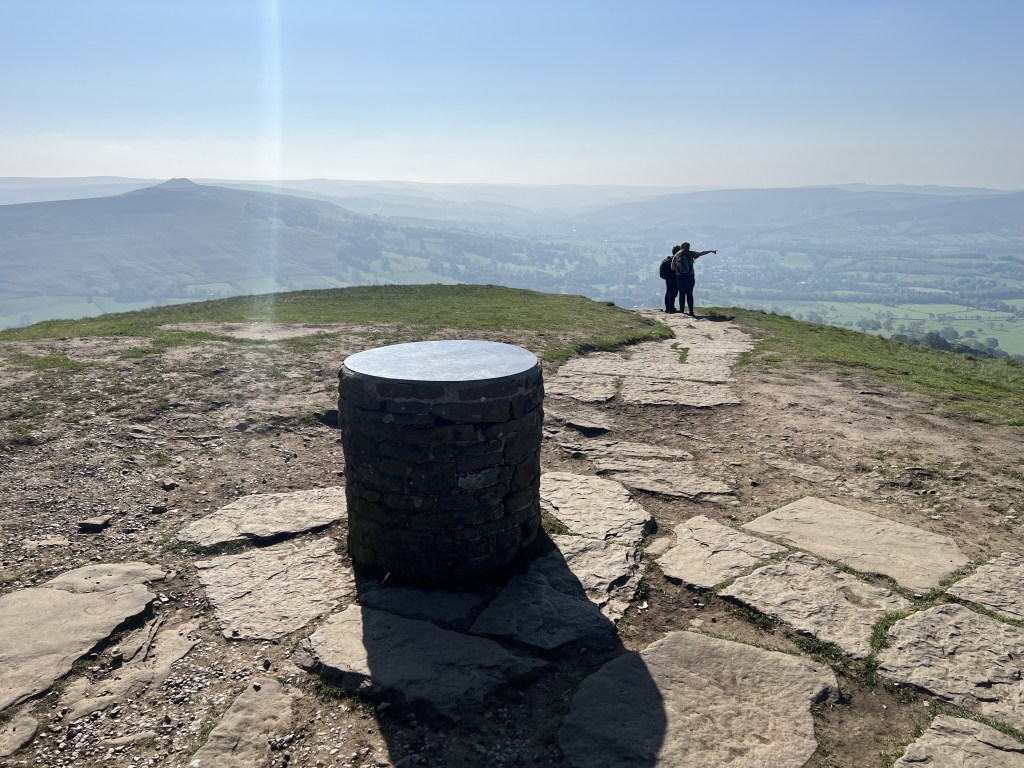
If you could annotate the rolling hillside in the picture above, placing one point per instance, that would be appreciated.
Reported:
(890, 259)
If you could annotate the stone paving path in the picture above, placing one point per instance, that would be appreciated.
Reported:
(688, 699)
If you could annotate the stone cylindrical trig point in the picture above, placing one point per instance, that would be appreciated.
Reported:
(442, 457)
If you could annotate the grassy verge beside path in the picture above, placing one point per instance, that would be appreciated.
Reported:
(982, 389)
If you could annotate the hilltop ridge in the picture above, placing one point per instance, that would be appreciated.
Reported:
(211, 404)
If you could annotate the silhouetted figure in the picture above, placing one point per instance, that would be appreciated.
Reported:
(671, 283)
(682, 266)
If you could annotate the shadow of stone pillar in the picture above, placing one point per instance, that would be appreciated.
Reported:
(484, 674)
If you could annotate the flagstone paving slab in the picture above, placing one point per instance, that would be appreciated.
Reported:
(708, 333)
(594, 507)
(266, 593)
(242, 738)
(264, 517)
(607, 572)
(584, 387)
(915, 558)
(378, 654)
(662, 469)
(665, 478)
(710, 364)
(962, 657)
(998, 586)
(953, 742)
(546, 608)
(809, 472)
(622, 449)
(651, 391)
(819, 599)
(45, 629)
(693, 701)
(706, 553)
(106, 576)
(434, 605)
(657, 359)
(16, 733)
(135, 676)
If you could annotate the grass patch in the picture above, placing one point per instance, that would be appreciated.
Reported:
(56, 363)
(822, 652)
(880, 632)
(552, 526)
(20, 434)
(990, 391)
(331, 692)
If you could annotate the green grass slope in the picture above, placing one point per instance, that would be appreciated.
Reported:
(553, 326)
(983, 389)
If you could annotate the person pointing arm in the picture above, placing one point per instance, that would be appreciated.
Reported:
(682, 265)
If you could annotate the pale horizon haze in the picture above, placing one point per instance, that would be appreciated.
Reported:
(733, 93)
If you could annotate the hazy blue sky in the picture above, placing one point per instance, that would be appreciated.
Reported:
(730, 92)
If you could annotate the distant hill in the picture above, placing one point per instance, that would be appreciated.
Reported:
(181, 241)
(878, 216)
(177, 232)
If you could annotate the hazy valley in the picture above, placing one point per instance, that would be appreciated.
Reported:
(891, 260)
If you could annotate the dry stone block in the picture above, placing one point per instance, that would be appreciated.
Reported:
(725, 337)
(692, 701)
(266, 593)
(594, 507)
(262, 712)
(998, 586)
(960, 656)
(953, 742)
(915, 558)
(613, 364)
(411, 662)
(819, 599)
(267, 516)
(706, 553)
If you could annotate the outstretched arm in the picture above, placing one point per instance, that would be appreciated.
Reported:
(698, 254)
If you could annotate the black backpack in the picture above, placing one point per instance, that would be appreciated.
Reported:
(665, 270)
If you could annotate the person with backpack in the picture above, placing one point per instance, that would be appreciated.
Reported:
(671, 283)
(682, 266)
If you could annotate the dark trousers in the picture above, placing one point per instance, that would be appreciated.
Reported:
(671, 291)
(686, 283)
